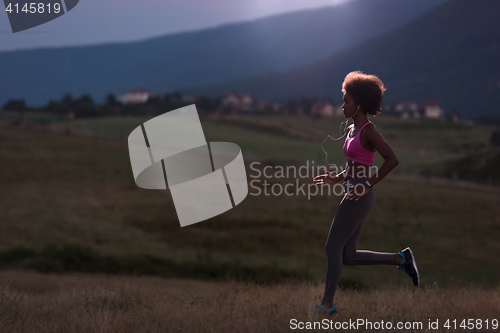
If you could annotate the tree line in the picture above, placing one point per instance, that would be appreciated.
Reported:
(69, 107)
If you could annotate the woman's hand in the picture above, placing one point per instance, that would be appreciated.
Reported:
(327, 178)
(357, 191)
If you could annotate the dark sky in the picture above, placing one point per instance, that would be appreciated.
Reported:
(100, 21)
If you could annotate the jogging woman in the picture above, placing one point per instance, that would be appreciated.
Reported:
(362, 97)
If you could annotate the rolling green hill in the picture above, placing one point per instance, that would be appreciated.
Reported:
(482, 166)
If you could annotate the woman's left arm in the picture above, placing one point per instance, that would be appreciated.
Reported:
(390, 161)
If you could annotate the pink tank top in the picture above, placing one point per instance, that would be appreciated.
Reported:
(353, 149)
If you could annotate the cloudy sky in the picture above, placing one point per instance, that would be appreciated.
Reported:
(100, 21)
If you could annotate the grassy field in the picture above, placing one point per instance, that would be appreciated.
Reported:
(69, 204)
(32, 302)
(64, 193)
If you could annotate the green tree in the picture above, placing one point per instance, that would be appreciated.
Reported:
(85, 107)
(67, 100)
(110, 100)
(15, 105)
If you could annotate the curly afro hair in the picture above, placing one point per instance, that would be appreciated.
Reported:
(366, 90)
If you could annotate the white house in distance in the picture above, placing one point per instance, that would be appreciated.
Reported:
(237, 101)
(407, 109)
(136, 96)
(322, 108)
(433, 109)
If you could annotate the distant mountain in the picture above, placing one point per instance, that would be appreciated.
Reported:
(204, 57)
(451, 53)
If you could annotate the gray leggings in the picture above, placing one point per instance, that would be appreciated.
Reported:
(341, 246)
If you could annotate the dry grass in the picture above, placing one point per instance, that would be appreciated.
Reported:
(33, 302)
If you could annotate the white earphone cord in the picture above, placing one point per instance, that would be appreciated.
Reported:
(340, 137)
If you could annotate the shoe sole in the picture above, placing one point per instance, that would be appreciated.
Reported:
(414, 264)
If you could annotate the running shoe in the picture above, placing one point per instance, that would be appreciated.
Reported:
(319, 309)
(409, 266)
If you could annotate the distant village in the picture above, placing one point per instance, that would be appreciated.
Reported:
(142, 101)
(244, 103)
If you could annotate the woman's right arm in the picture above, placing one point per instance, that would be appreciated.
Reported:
(329, 178)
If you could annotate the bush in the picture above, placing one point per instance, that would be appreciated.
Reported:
(77, 258)
(495, 138)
